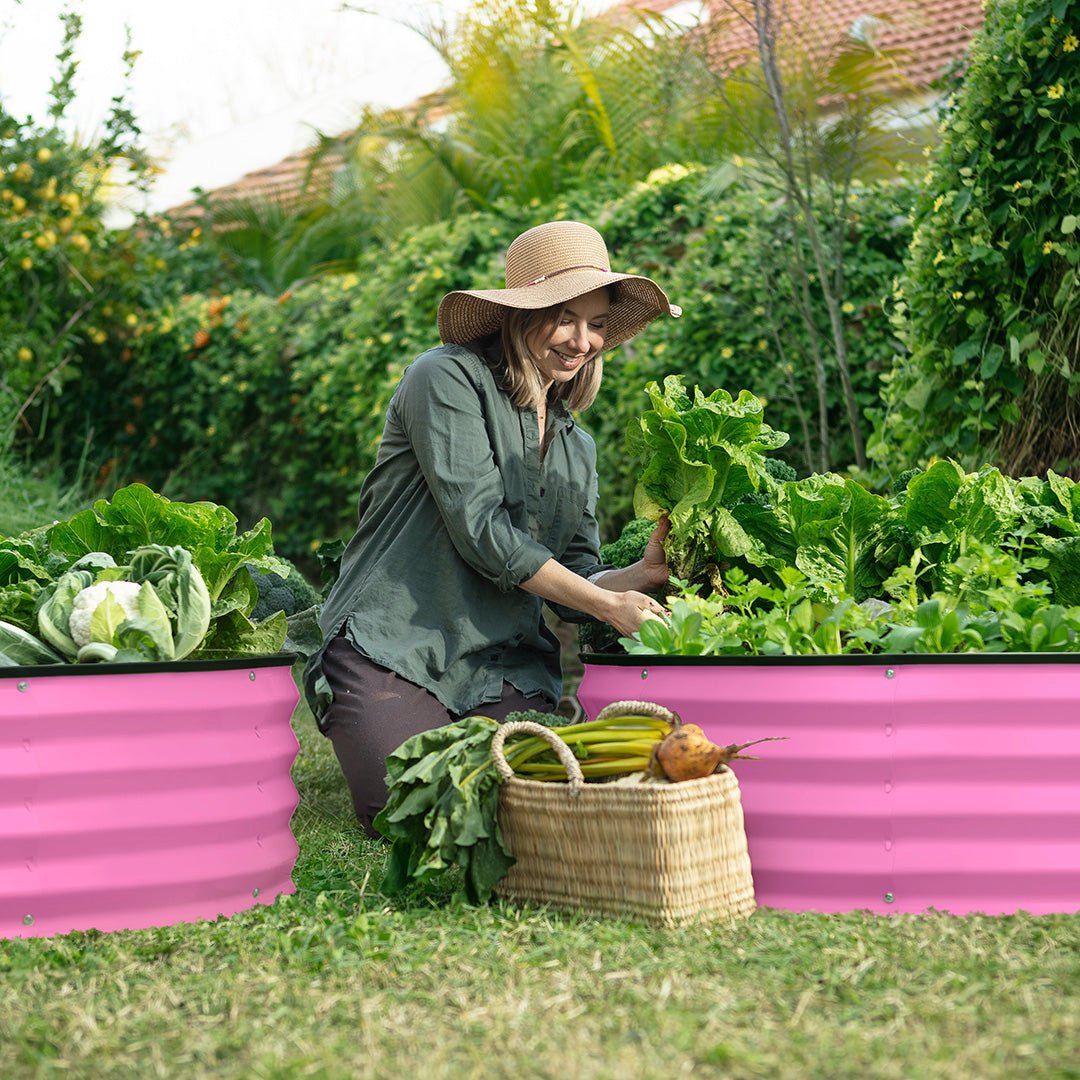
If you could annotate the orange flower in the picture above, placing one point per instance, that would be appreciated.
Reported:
(202, 339)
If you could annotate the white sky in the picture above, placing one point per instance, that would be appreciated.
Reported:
(224, 86)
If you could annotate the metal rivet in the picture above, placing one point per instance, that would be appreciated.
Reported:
(888, 787)
(251, 676)
(23, 687)
(888, 730)
(889, 898)
(255, 891)
(888, 845)
(28, 920)
(644, 674)
(890, 673)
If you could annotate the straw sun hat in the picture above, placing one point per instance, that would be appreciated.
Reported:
(548, 265)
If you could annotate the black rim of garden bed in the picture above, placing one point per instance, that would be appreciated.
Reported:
(148, 667)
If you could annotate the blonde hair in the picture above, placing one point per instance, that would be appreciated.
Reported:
(517, 371)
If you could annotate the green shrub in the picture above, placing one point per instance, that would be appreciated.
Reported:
(989, 300)
(72, 290)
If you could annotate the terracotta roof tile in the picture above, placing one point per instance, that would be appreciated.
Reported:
(925, 36)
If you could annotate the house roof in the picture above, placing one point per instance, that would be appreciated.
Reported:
(926, 35)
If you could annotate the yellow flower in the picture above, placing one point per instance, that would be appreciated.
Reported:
(1017, 186)
(99, 337)
(1055, 91)
(131, 318)
(848, 307)
(937, 203)
(1070, 43)
(324, 408)
(18, 204)
(436, 272)
(44, 154)
(1047, 247)
(660, 347)
(939, 257)
(23, 171)
(386, 338)
(957, 295)
(211, 430)
(727, 352)
(46, 240)
(762, 344)
(27, 263)
(69, 201)
(25, 355)
(759, 310)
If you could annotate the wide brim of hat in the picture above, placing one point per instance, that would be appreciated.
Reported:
(466, 315)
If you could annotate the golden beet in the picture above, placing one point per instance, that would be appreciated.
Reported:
(687, 754)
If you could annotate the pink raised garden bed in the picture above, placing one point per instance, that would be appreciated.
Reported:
(144, 794)
(916, 783)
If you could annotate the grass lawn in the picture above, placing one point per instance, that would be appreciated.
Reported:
(336, 982)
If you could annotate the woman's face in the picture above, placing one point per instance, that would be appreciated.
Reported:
(577, 336)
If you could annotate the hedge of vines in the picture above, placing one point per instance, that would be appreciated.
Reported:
(989, 303)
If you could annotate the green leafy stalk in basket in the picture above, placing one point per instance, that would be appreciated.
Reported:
(442, 809)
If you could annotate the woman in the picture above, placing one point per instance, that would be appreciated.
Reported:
(482, 505)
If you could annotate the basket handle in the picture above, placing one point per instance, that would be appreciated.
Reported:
(639, 708)
(562, 751)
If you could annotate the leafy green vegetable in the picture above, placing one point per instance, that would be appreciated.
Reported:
(18, 648)
(180, 587)
(442, 810)
(702, 454)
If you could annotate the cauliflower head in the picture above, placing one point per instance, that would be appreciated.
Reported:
(125, 593)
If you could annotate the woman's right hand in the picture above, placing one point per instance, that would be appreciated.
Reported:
(628, 610)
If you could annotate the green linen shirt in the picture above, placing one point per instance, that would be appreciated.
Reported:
(456, 513)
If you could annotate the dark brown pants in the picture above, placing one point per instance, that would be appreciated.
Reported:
(375, 710)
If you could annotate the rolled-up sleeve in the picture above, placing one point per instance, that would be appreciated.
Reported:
(439, 407)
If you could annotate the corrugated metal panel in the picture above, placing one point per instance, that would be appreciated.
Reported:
(946, 786)
(144, 799)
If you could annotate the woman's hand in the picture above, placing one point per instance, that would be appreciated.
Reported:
(653, 563)
(650, 573)
(628, 610)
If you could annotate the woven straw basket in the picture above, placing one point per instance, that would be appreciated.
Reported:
(664, 854)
